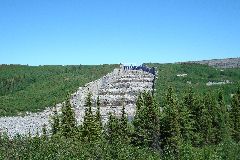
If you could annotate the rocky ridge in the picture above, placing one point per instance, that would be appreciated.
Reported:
(220, 63)
(115, 89)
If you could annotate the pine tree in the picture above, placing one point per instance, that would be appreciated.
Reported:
(68, 121)
(235, 116)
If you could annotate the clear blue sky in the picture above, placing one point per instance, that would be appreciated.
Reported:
(112, 31)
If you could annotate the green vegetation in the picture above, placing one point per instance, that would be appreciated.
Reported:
(197, 77)
(186, 121)
(32, 88)
(193, 127)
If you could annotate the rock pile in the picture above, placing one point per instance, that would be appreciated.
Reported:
(218, 83)
(220, 63)
(114, 90)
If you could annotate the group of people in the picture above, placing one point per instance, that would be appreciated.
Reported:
(142, 67)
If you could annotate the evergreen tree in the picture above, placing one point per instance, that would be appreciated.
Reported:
(189, 99)
(98, 114)
(88, 102)
(98, 120)
(90, 128)
(139, 102)
(44, 131)
(137, 122)
(205, 122)
(171, 135)
(223, 119)
(55, 125)
(213, 111)
(196, 112)
(124, 130)
(68, 121)
(186, 117)
(113, 134)
(146, 122)
(186, 124)
(235, 116)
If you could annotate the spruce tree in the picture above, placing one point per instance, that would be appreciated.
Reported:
(223, 119)
(98, 120)
(55, 124)
(186, 117)
(124, 126)
(186, 124)
(113, 132)
(98, 114)
(206, 121)
(196, 112)
(138, 137)
(189, 99)
(90, 129)
(44, 131)
(171, 136)
(235, 116)
(146, 122)
(68, 121)
(213, 108)
(220, 118)
(139, 102)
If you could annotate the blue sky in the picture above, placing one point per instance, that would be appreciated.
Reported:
(38, 32)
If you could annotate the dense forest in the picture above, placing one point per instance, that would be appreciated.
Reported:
(193, 126)
(33, 88)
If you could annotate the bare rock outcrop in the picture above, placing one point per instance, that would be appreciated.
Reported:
(220, 63)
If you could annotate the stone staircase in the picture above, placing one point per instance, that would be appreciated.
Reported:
(118, 88)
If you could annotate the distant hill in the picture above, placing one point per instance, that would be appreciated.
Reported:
(220, 63)
(202, 78)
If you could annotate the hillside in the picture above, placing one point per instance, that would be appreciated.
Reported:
(220, 63)
(33, 88)
(202, 78)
